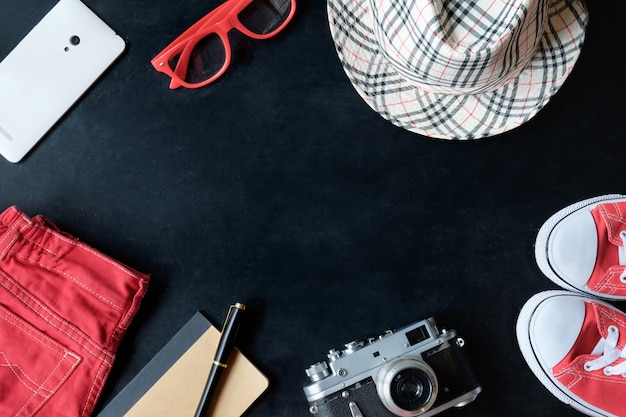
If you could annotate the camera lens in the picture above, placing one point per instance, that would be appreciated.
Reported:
(411, 389)
(407, 386)
(75, 40)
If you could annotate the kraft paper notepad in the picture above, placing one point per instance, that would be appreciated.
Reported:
(171, 384)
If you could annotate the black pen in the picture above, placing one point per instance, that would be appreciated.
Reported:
(224, 349)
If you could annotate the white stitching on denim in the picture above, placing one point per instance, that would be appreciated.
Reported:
(21, 376)
(37, 392)
(71, 278)
(39, 245)
(76, 244)
(91, 395)
(13, 235)
(105, 361)
(61, 381)
(48, 343)
(100, 255)
(9, 318)
(73, 329)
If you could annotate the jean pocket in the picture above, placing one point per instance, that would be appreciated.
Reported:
(33, 366)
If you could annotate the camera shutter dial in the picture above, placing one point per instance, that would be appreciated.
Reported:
(318, 371)
(353, 347)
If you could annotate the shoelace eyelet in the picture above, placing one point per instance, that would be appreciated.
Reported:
(587, 367)
(608, 371)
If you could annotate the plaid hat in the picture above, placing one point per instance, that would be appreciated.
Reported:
(457, 69)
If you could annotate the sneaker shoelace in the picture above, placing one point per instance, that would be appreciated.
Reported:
(608, 352)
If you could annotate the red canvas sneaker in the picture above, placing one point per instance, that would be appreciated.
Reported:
(575, 347)
(582, 247)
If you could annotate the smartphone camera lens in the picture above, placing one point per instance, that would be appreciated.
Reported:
(75, 40)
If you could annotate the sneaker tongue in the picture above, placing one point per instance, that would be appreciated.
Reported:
(609, 222)
(599, 349)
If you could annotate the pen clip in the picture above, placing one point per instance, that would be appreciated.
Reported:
(238, 306)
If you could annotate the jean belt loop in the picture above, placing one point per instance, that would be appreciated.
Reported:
(12, 234)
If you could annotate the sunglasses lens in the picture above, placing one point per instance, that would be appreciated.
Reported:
(206, 60)
(265, 16)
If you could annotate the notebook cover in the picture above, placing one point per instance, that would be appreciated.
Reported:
(171, 384)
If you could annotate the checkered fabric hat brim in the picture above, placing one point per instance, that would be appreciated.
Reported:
(456, 115)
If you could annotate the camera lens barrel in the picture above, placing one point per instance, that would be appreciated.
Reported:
(407, 386)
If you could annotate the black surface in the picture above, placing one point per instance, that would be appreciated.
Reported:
(279, 187)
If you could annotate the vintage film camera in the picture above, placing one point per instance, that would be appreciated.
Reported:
(415, 371)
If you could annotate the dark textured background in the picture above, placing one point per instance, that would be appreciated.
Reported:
(278, 186)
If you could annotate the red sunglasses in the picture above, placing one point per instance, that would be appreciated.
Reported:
(202, 53)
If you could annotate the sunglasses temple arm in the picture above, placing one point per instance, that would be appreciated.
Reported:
(181, 66)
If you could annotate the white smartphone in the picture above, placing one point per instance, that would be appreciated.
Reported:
(51, 68)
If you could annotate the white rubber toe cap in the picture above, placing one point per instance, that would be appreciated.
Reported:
(573, 247)
(555, 326)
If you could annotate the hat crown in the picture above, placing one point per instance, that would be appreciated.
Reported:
(459, 46)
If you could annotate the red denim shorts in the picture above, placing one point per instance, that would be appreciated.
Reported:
(64, 308)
